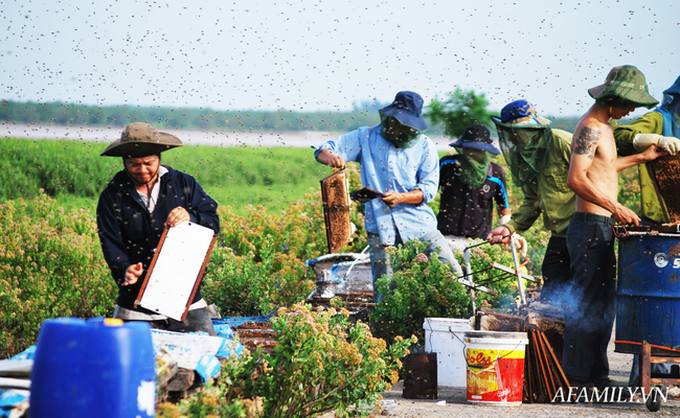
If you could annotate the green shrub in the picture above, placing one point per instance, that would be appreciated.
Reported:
(427, 289)
(50, 266)
(416, 290)
(323, 363)
(242, 286)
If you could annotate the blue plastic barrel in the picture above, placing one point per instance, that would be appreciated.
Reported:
(93, 368)
(648, 291)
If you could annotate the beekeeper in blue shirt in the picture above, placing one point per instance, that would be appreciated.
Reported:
(400, 162)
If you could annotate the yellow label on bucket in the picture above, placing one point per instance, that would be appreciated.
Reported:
(482, 369)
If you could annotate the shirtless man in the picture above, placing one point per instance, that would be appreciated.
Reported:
(590, 237)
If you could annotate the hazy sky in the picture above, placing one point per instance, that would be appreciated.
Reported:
(329, 55)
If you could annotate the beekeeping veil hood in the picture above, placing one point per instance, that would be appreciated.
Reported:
(524, 138)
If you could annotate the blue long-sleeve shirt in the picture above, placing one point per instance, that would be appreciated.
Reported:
(385, 167)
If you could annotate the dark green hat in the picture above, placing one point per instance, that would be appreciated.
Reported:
(140, 139)
(624, 83)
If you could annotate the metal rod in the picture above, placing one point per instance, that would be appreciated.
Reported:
(356, 260)
(513, 272)
(515, 259)
(468, 270)
(494, 279)
(476, 272)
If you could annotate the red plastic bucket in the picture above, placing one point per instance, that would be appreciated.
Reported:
(495, 366)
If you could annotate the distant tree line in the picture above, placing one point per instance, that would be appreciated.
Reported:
(448, 116)
(60, 113)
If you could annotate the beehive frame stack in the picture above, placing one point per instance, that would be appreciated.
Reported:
(666, 174)
(336, 206)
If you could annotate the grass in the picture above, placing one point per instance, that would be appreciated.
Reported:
(74, 174)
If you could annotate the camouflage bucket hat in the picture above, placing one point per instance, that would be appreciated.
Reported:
(624, 83)
(140, 139)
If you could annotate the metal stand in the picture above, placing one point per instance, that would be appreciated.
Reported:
(656, 355)
(466, 279)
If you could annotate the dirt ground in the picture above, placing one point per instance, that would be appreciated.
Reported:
(452, 402)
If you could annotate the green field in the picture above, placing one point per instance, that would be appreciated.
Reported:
(74, 174)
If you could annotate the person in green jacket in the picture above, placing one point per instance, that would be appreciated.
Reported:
(538, 157)
(660, 127)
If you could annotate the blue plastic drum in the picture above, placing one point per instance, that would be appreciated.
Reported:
(95, 368)
(648, 291)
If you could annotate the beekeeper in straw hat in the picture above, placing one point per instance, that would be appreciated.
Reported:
(132, 212)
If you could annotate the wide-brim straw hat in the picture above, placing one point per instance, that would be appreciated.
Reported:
(140, 139)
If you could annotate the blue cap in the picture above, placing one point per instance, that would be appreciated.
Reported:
(523, 113)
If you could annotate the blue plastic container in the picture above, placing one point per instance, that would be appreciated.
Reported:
(96, 368)
(648, 291)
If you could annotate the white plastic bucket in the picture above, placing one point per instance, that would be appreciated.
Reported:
(495, 366)
(444, 336)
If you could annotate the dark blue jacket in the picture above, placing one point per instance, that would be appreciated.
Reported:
(468, 212)
(129, 233)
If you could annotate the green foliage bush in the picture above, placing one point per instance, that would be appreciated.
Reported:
(428, 289)
(241, 286)
(323, 363)
(50, 266)
(416, 290)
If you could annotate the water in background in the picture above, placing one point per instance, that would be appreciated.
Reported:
(296, 139)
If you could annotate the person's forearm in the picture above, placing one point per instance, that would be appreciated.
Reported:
(392, 198)
(414, 197)
(328, 158)
(324, 156)
(629, 161)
